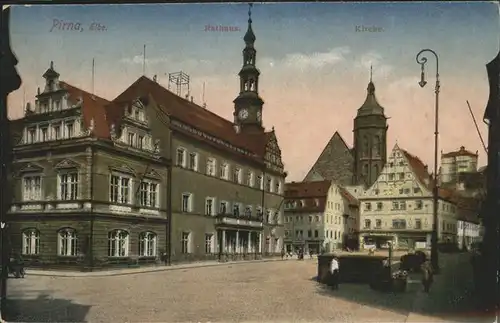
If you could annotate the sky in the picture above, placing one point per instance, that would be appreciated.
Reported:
(314, 65)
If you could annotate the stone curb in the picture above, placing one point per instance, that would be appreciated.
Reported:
(122, 272)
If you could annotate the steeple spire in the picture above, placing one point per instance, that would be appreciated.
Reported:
(371, 73)
(249, 37)
(248, 104)
(371, 86)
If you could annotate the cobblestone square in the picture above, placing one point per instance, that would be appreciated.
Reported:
(267, 291)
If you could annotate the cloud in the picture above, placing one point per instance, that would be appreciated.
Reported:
(375, 60)
(315, 60)
(139, 59)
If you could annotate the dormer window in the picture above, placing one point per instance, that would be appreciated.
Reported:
(136, 114)
(70, 129)
(57, 105)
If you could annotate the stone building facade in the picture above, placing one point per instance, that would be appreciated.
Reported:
(148, 177)
(319, 216)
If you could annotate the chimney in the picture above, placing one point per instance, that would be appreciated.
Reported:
(426, 168)
(204, 105)
(236, 128)
(155, 78)
(191, 98)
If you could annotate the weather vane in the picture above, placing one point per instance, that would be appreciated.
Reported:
(250, 5)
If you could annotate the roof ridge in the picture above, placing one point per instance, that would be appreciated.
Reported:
(86, 92)
(186, 100)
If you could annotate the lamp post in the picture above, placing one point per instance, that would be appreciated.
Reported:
(422, 60)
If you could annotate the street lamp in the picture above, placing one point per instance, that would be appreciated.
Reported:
(421, 59)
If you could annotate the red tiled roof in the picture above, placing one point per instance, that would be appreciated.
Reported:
(348, 196)
(188, 113)
(423, 176)
(296, 190)
(461, 152)
(93, 107)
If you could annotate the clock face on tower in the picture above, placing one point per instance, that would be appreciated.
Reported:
(243, 114)
(259, 116)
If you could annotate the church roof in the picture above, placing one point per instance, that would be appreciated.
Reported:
(335, 163)
(371, 105)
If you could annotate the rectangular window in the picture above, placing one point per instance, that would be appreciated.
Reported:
(260, 182)
(418, 224)
(379, 206)
(31, 135)
(418, 205)
(401, 176)
(316, 233)
(32, 188)
(131, 139)
(70, 129)
(57, 132)
(211, 167)
(181, 157)
(237, 175)
(277, 187)
(148, 194)
(248, 211)
(269, 184)
(45, 133)
(69, 186)
(209, 206)
(391, 176)
(120, 188)
(223, 207)
(185, 242)
(378, 224)
(236, 209)
(416, 190)
(402, 205)
(209, 238)
(368, 206)
(186, 202)
(224, 171)
(368, 224)
(250, 178)
(140, 142)
(193, 161)
(399, 224)
(395, 205)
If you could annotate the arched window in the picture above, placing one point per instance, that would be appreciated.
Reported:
(147, 244)
(67, 243)
(118, 241)
(31, 242)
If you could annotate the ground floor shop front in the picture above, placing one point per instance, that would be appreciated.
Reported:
(399, 240)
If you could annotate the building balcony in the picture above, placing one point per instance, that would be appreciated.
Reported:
(246, 220)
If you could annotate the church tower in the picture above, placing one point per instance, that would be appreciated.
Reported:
(248, 104)
(370, 139)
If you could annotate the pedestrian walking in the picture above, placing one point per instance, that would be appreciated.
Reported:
(282, 253)
(311, 252)
(427, 276)
(334, 271)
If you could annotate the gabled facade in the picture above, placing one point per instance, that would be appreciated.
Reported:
(148, 177)
(320, 216)
(398, 206)
(84, 193)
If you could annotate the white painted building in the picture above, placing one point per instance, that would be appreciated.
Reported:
(456, 162)
(319, 215)
(398, 207)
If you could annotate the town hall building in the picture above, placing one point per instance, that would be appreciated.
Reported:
(149, 177)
